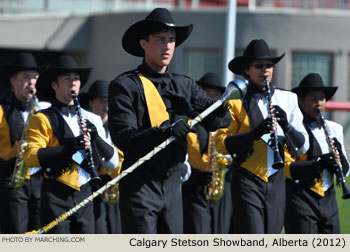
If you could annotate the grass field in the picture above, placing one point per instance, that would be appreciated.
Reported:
(344, 210)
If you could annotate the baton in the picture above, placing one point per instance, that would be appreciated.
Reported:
(236, 89)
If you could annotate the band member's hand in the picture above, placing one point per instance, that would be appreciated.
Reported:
(337, 146)
(222, 110)
(179, 129)
(199, 104)
(72, 145)
(92, 130)
(179, 104)
(326, 161)
(263, 128)
(281, 117)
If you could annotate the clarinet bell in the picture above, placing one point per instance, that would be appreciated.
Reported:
(278, 162)
(346, 191)
(94, 176)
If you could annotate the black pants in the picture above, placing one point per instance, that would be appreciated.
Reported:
(107, 217)
(4, 209)
(150, 203)
(24, 205)
(259, 206)
(57, 198)
(221, 211)
(309, 213)
(197, 218)
(20, 207)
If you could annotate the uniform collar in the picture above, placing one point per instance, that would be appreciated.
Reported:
(21, 106)
(314, 123)
(254, 91)
(156, 78)
(64, 108)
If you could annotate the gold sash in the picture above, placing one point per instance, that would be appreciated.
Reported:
(155, 105)
(257, 162)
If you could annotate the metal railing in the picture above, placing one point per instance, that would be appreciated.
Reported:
(90, 6)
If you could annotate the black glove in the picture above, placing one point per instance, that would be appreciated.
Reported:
(179, 104)
(337, 144)
(262, 128)
(72, 145)
(179, 130)
(221, 110)
(199, 104)
(93, 132)
(7, 166)
(326, 161)
(281, 117)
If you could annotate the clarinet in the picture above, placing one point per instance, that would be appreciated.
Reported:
(340, 178)
(278, 162)
(89, 155)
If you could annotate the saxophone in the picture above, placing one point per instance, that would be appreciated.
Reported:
(20, 171)
(111, 195)
(217, 166)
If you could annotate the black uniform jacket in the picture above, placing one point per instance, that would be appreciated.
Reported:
(128, 116)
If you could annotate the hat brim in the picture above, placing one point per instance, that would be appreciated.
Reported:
(236, 65)
(7, 71)
(132, 36)
(43, 84)
(302, 91)
(84, 99)
(207, 85)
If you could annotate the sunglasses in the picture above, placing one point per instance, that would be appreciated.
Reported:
(260, 66)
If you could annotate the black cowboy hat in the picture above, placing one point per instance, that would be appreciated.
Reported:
(21, 62)
(158, 17)
(98, 88)
(211, 80)
(62, 65)
(256, 50)
(311, 82)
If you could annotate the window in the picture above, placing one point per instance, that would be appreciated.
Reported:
(202, 60)
(305, 63)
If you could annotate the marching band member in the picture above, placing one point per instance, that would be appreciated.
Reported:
(201, 215)
(258, 190)
(66, 142)
(311, 201)
(20, 203)
(148, 105)
(107, 215)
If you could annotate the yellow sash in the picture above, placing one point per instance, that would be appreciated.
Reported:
(257, 162)
(155, 105)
